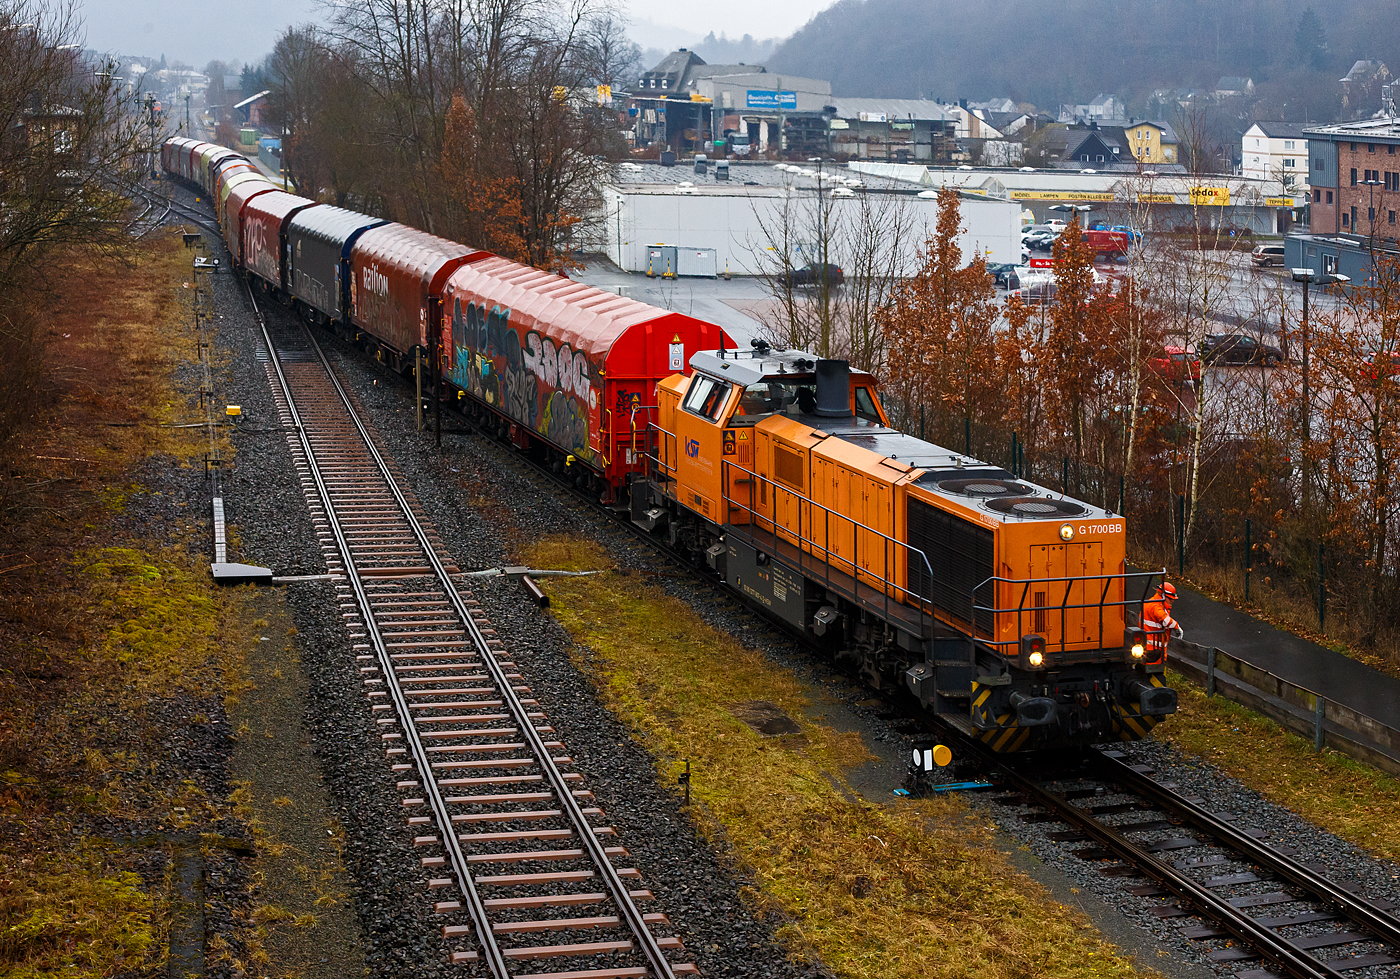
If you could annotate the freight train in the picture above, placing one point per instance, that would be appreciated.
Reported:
(1006, 609)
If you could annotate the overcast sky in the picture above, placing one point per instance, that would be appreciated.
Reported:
(196, 31)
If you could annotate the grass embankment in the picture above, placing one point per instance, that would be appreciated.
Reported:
(113, 641)
(1355, 801)
(890, 889)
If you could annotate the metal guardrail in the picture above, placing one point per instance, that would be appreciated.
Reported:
(1064, 607)
(889, 546)
(1293, 706)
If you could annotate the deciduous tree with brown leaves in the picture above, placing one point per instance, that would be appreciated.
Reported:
(939, 334)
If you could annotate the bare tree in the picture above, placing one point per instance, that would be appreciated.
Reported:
(867, 236)
(608, 55)
(69, 146)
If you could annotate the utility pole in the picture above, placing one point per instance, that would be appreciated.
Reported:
(152, 108)
(1307, 277)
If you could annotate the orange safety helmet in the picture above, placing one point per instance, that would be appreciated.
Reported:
(1166, 591)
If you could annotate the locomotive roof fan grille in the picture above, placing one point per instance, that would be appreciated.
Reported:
(1041, 506)
(985, 487)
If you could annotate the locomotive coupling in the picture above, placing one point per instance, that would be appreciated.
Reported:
(1150, 699)
(1032, 711)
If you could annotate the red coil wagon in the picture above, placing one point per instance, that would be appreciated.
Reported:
(396, 279)
(264, 249)
(574, 366)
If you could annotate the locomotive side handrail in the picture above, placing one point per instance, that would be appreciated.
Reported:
(653, 456)
(889, 588)
(1022, 608)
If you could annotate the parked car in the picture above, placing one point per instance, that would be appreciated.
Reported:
(1002, 273)
(813, 273)
(1133, 236)
(1237, 348)
(1176, 364)
(1383, 363)
(1264, 255)
(1042, 239)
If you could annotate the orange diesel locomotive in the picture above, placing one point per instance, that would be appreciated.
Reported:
(1005, 608)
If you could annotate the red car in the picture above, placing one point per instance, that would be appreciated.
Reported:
(1176, 364)
(1385, 362)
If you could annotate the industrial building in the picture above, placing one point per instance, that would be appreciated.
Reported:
(1143, 198)
(741, 222)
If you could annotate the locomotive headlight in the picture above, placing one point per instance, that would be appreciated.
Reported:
(1066, 532)
(1138, 650)
(1032, 652)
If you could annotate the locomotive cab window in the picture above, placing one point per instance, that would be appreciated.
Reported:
(706, 396)
(772, 396)
(865, 406)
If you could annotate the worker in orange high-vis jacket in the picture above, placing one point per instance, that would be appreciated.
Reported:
(1158, 624)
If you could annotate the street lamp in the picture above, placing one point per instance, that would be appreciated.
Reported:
(1373, 184)
(1308, 277)
(1074, 211)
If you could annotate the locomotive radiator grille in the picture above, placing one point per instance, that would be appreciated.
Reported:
(960, 555)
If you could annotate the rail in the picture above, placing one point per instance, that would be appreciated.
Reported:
(1021, 608)
(496, 958)
(1295, 956)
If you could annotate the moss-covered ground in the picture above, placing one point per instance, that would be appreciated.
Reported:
(119, 660)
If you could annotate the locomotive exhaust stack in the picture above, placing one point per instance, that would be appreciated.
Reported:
(833, 389)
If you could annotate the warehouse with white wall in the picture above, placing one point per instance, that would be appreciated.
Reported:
(746, 220)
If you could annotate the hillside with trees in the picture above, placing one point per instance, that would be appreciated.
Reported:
(1051, 53)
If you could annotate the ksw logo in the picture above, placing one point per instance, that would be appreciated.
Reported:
(376, 282)
(692, 447)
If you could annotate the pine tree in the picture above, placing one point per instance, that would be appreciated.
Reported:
(1310, 41)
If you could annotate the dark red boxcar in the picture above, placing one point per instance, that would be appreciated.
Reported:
(576, 365)
(397, 275)
(265, 234)
(238, 196)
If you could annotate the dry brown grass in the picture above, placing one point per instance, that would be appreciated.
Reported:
(900, 889)
(98, 625)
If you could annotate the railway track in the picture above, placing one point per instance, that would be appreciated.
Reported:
(524, 869)
(1230, 887)
(187, 212)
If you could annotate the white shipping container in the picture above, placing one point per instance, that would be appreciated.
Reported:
(695, 261)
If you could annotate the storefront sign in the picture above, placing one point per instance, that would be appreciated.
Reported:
(772, 100)
(1058, 195)
(1210, 196)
